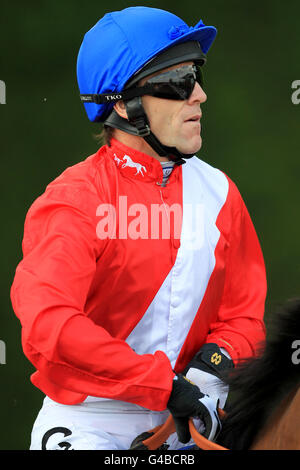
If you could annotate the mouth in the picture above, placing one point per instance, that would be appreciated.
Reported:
(196, 118)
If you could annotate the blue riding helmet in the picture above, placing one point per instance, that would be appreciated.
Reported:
(123, 42)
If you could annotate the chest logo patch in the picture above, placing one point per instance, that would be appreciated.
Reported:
(127, 161)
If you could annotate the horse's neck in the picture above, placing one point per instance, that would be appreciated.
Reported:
(281, 431)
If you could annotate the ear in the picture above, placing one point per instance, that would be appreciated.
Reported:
(120, 108)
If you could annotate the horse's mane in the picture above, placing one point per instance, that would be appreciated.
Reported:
(258, 385)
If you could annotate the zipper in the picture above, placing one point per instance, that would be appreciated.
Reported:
(174, 246)
(166, 211)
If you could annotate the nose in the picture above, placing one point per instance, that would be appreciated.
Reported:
(198, 94)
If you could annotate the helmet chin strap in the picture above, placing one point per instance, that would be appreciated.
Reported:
(138, 124)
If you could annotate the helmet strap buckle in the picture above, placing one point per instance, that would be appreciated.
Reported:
(137, 117)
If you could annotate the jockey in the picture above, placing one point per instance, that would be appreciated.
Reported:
(142, 279)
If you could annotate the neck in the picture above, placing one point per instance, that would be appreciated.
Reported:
(137, 143)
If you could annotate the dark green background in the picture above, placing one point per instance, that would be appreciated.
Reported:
(250, 130)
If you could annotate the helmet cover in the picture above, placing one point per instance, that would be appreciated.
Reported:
(122, 42)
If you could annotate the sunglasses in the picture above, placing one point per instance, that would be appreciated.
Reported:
(176, 84)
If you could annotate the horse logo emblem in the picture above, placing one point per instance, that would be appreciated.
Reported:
(129, 162)
(118, 160)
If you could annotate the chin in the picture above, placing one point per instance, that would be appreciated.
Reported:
(190, 147)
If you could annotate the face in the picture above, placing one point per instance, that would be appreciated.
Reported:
(176, 123)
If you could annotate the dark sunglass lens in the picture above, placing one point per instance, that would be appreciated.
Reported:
(176, 84)
(171, 91)
(199, 75)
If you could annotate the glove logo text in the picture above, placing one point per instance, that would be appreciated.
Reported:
(216, 358)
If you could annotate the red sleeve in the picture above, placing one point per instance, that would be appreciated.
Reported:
(48, 294)
(240, 327)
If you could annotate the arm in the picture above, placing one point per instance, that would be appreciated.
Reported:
(239, 327)
(49, 293)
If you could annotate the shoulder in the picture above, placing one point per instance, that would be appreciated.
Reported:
(85, 173)
(78, 184)
(71, 199)
(213, 177)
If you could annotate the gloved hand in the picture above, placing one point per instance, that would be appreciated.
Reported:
(206, 369)
(187, 401)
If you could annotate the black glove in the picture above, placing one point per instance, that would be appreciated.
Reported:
(187, 401)
(210, 360)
